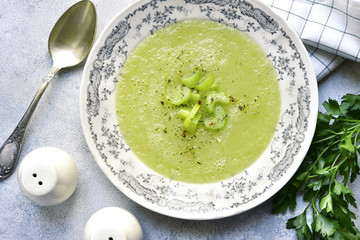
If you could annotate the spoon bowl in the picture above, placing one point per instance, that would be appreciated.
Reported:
(70, 40)
(69, 43)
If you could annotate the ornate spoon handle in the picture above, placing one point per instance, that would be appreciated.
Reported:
(10, 150)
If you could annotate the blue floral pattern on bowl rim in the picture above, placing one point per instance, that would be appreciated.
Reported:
(199, 201)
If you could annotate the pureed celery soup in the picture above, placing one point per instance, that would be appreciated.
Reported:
(198, 101)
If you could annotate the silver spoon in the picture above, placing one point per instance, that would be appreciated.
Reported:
(69, 43)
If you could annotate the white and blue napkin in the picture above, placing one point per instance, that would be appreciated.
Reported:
(330, 29)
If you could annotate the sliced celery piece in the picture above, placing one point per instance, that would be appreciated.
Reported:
(195, 97)
(191, 79)
(217, 121)
(183, 112)
(191, 124)
(214, 87)
(193, 111)
(192, 119)
(205, 82)
(177, 95)
(213, 98)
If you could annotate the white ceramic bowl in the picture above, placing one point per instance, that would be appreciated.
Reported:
(244, 191)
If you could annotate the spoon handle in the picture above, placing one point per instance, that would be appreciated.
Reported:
(10, 150)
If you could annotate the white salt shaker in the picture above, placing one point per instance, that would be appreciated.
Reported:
(113, 223)
(48, 176)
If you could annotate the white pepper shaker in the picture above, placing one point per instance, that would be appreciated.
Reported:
(113, 223)
(48, 176)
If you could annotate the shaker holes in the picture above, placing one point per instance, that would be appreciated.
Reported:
(41, 183)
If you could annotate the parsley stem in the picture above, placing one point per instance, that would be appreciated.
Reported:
(319, 157)
(354, 127)
(325, 139)
(335, 161)
(356, 144)
(313, 203)
(335, 134)
(348, 120)
(335, 171)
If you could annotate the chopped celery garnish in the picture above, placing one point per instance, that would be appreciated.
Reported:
(193, 111)
(205, 82)
(192, 119)
(218, 120)
(183, 112)
(214, 87)
(195, 97)
(177, 95)
(191, 79)
(194, 92)
(191, 124)
(214, 97)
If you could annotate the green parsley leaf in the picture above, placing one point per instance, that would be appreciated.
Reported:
(300, 225)
(325, 226)
(331, 162)
(326, 203)
(332, 107)
(347, 144)
(339, 188)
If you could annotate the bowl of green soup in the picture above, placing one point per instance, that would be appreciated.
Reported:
(198, 109)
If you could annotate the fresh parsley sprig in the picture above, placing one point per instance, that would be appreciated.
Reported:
(332, 161)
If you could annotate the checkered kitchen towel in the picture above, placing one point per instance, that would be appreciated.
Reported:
(330, 29)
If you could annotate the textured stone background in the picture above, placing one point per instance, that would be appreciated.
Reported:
(24, 60)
